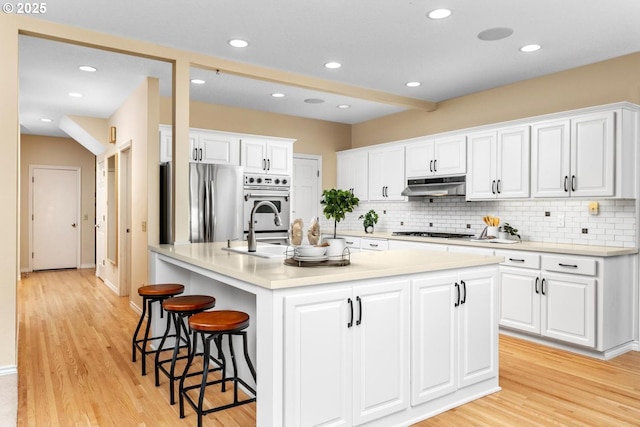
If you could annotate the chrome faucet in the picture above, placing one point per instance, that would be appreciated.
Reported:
(251, 238)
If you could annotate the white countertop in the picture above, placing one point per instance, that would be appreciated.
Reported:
(271, 273)
(561, 248)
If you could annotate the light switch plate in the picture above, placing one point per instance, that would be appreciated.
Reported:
(560, 220)
(594, 208)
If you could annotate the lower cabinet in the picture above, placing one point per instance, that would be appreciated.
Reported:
(347, 354)
(454, 337)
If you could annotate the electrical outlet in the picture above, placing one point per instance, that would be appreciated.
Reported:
(560, 220)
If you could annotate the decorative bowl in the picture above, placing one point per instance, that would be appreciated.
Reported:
(311, 251)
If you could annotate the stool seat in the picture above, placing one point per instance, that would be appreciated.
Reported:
(164, 290)
(219, 321)
(189, 303)
(151, 294)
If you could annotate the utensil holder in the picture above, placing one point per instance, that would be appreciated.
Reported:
(492, 231)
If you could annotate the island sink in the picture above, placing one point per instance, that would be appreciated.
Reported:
(262, 251)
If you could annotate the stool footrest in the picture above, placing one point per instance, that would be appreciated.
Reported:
(235, 403)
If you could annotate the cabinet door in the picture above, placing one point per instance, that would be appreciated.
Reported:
(592, 155)
(520, 299)
(513, 163)
(450, 156)
(353, 173)
(279, 158)
(386, 174)
(381, 350)
(433, 334)
(477, 327)
(218, 148)
(318, 359)
(254, 155)
(166, 144)
(569, 308)
(550, 159)
(419, 159)
(481, 176)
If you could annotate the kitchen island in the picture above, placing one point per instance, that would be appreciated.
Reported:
(392, 338)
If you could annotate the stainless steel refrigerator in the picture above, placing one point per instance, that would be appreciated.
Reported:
(216, 205)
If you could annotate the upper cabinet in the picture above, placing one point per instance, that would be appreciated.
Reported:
(386, 173)
(267, 155)
(353, 172)
(204, 146)
(213, 147)
(575, 157)
(498, 164)
(436, 157)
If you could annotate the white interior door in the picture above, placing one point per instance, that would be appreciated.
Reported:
(55, 216)
(305, 194)
(101, 200)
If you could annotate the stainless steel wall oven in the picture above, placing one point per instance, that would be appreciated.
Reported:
(275, 189)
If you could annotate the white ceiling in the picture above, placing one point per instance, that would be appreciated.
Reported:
(381, 43)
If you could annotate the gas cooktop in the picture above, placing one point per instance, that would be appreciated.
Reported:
(440, 234)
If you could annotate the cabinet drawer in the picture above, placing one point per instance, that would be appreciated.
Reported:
(585, 266)
(520, 259)
(374, 244)
(352, 242)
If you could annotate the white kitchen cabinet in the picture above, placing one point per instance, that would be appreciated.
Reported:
(405, 244)
(214, 147)
(204, 146)
(571, 299)
(575, 156)
(266, 155)
(373, 244)
(498, 164)
(454, 334)
(353, 172)
(386, 173)
(436, 157)
(347, 348)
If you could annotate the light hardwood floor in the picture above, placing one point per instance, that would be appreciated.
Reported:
(75, 369)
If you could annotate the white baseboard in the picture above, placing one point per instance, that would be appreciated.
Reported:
(111, 286)
(135, 307)
(8, 370)
(87, 266)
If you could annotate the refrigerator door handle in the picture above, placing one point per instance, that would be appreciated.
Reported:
(207, 211)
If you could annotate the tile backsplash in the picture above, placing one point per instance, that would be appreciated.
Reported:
(537, 220)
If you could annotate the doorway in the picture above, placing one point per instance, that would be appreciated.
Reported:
(306, 187)
(124, 259)
(54, 196)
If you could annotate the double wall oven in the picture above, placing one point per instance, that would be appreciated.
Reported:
(275, 189)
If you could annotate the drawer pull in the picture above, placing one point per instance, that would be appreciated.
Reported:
(349, 243)
(567, 265)
(373, 245)
(516, 260)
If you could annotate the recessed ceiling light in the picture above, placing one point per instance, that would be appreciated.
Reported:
(314, 101)
(46, 120)
(493, 34)
(198, 81)
(344, 106)
(530, 48)
(278, 95)
(75, 94)
(333, 65)
(238, 43)
(439, 14)
(412, 84)
(88, 68)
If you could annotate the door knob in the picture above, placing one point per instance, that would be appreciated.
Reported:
(73, 225)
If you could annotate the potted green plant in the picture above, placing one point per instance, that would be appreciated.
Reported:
(370, 219)
(337, 203)
(511, 231)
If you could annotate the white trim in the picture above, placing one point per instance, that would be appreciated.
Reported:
(111, 286)
(318, 158)
(82, 266)
(78, 171)
(8, 370)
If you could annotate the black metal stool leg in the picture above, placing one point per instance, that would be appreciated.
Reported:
(192, 355)
(160, 347)
(146, 336)
(135, 334)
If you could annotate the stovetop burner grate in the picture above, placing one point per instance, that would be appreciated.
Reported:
(439, 234)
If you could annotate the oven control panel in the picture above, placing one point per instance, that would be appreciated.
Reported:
(258, 180)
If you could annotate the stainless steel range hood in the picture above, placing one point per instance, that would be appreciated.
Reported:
(436, 187)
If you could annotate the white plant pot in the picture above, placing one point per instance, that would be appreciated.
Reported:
(336, 247)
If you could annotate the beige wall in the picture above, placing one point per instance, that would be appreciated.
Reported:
(50, 151)
(313, 136)
(601, 83)
(137, 114)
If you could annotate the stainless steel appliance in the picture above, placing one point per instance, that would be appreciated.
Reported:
(215, 202)
(436, 186)
(271, 188)
(439, 234)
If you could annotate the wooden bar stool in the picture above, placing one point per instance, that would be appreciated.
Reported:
(179, 308)
(150, 294)
(213, 326)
